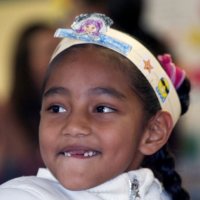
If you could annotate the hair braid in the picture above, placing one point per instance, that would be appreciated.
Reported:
(163, 165)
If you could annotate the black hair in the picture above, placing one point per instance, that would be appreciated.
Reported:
(162, 162)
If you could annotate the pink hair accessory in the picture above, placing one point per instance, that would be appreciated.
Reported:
(176, 74)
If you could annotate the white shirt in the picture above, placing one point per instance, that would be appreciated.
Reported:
(134, 185)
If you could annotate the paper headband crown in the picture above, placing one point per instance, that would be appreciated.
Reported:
(95, 29)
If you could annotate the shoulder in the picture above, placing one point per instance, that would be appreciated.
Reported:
(19, 188)
(30, 188)
(149, 186)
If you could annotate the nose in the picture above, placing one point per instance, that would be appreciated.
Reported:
(77, 125)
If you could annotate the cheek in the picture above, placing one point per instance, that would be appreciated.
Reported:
(46, 139)
(122, 144)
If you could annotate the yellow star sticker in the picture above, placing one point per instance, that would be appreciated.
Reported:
(147, 65)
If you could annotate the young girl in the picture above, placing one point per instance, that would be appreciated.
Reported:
(108, 110)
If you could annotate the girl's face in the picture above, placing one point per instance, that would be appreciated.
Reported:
(90, 28)
(91, 121)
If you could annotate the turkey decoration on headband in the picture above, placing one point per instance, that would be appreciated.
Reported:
(95, 29)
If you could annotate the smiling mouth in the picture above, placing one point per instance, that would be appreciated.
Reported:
(80, 153)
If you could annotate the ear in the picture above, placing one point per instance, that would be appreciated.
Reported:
(156, 133)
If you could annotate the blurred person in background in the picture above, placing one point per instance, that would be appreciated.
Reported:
(19, 117)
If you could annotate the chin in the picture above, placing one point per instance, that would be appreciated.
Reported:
(77, 186)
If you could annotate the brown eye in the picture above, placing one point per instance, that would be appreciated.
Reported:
(56, 109)
(104, 109)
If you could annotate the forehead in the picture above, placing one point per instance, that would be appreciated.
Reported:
(92, 64)
(88, 58)
(88, 51)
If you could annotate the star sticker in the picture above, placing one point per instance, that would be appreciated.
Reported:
(147, 65)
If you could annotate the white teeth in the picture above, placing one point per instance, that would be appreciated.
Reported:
(89, 154)
(67, 154)
(86, 154)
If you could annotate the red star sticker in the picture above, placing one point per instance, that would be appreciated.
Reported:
(147, 65)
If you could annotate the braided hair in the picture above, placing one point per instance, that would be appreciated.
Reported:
(162, 162)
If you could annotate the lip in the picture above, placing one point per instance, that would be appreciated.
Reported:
(81, 152)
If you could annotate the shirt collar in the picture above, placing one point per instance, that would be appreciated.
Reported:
(137, 184)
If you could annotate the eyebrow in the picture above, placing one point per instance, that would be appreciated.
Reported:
(93, 91)
(107, 91)
(55, 90)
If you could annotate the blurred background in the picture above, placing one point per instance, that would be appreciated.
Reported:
(172, 26)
